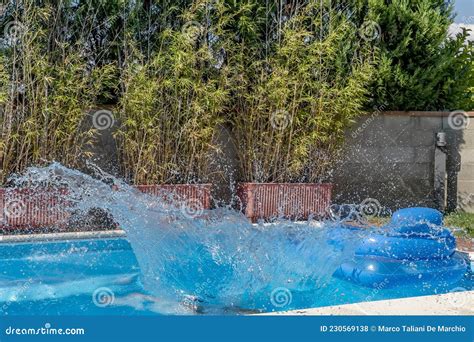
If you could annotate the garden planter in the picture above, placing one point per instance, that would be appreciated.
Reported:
(28, 208)
(38, 209)
(297, 201)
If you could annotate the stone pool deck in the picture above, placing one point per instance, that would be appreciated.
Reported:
(453, 303)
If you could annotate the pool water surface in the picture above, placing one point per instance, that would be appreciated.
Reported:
(102, 277)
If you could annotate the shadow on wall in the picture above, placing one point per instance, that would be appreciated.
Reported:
(461, 165)
(223, 166)
(104, 150)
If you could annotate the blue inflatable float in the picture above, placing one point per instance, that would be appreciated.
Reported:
(414, 247)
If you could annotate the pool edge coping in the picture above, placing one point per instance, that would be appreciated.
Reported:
(448, 304)
(99, 234)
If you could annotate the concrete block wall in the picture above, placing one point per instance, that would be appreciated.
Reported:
(461, 165)
(389, 157)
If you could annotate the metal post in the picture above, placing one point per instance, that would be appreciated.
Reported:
(440, 175)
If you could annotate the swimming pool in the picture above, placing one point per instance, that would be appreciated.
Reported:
(102, 277)
(176, 261)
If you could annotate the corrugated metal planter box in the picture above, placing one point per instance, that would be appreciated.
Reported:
(27, 208)
(298, 201)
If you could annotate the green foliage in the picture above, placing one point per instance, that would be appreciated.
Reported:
(288, 78)
(420, 68)
(47, 88)
(460, 220)
(292, 106)
(169, 111)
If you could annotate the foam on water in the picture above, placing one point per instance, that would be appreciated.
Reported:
(218, 257)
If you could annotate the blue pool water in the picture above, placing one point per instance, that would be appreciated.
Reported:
(181, 261)
(102, 277)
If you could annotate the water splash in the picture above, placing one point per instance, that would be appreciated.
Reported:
(217, 259)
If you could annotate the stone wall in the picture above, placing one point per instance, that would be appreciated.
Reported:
(390, 157)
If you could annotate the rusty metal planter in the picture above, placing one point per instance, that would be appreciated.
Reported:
(299, 201)
(28, 208)
(35, 209)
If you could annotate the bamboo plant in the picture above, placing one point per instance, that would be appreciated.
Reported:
(170, 107)
(47, 88)
(294, 99)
